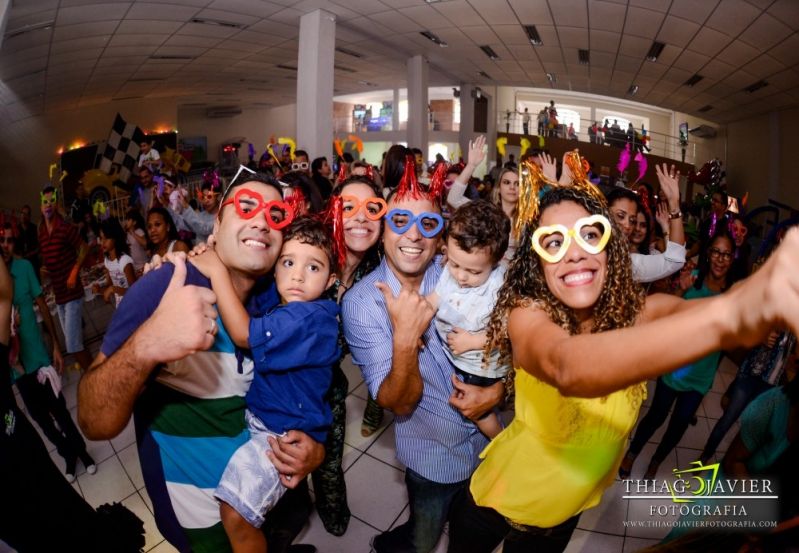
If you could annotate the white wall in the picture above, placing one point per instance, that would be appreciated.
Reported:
(255, 125)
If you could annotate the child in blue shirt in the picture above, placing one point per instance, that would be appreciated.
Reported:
(477, 238)
(294, 347)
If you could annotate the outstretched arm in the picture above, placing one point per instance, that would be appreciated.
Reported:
(457, 193)
(593, 365)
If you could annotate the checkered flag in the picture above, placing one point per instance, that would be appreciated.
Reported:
(122, 148)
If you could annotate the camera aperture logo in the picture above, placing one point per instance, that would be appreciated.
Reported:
(702, 496)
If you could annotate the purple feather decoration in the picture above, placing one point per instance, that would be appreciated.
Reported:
(624, 159)
(713, 222)
(251, 150)
(640, 158)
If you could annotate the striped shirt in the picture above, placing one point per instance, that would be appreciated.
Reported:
(434, 441)
(59, 251)
(189, 420)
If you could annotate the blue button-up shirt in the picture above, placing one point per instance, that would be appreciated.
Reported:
(433, 440)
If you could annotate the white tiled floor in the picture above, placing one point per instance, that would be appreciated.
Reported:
(376, 491)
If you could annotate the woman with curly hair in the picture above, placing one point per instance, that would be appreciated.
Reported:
(583, 339)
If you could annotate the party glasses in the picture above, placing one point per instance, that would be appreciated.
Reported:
(52, 200)
(553, 241)
(401, 220)
(374, 208)
(249, 204)
(718, 254)
(300, 166)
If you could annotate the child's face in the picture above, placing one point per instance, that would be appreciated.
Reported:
(302, 272)
(106, 243)
(469, 269)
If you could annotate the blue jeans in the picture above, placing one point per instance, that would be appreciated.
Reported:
(684, 409)
(429, 505)
(70, 315)
(743, 390)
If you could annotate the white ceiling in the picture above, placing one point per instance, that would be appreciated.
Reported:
(63, 54)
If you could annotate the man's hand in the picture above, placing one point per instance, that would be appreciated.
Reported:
(295, 455)
(474, 401)
(183, 323)
(72, 279)
(410, 313)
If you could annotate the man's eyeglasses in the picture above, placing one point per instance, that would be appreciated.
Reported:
(249, 204)
(374, 208)
(718, 254)
(300, 166)
(401, 220)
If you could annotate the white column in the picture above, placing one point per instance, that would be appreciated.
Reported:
(467, 118)
(395, 122)
(315, 83)
(417, 104)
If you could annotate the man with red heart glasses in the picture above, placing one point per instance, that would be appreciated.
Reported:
(389, 327)
(188, 401)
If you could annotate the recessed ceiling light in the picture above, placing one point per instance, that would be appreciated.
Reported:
(484, 75)
(532, 34)
(705, 108)
(583, 56)
(489, 52)
(655, 51)
(755, 86)
(217, 22)
(633, 90)
(433, 38)
(693, 80)
(345, 69)
(349, 52)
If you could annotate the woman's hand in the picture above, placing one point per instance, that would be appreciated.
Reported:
(662, 216)
(687, 278)
(476, 151)
(669, 180)
(549, 167)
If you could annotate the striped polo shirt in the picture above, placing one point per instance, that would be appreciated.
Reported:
(189, 420)
(433, 440)
(59, 251)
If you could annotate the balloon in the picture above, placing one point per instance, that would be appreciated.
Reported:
(53, 167)
(501, 142)
(337, 144)
(525, 142)
(291, 144)
(358, 142)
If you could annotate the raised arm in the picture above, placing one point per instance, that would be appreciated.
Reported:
(669, 179)
(457, 193)
(177, 328)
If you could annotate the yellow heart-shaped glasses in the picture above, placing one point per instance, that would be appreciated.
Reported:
(553, 241)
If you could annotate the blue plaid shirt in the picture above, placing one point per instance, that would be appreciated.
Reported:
(434, 441)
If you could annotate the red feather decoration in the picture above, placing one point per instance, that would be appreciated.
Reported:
(334, 216)
(408, 186)
(297, 202)
(437, 187)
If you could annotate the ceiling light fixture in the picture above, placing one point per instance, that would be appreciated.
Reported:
(693, 80)
(755, 86)
(484, 75)
(168, 57)
(654, 51)
(532, 34)
(703, 109)
(29, 28)
(349, 52)
(583, 56)
(488, 51)
(633, 90)
(345, 69)
(217, 22)
(287, 67)
(433, 38)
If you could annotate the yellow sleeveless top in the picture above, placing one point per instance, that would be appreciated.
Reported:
(558, 455)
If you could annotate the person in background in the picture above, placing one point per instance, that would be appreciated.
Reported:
(136, 238)
(320, 173)
(28, 239)
(120, 273)
(526, 122)
(63, 252)
(149, 156)
(40, 383)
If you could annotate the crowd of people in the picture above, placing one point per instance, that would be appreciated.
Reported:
(227, 349)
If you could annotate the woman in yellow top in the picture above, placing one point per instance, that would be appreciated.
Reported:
(584, 338)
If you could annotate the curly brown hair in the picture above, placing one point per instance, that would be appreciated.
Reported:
(620, 301)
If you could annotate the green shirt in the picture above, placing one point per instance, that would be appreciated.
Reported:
(698, 376)
(32, 354)
(764, 429)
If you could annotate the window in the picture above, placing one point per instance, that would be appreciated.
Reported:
(623, 122)
(566, 116)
